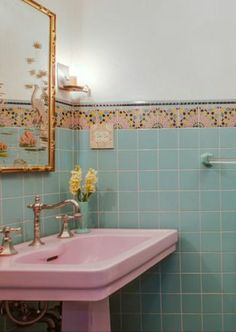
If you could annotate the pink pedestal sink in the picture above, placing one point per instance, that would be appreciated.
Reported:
(83, 271)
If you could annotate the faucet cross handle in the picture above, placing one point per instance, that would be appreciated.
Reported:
(7, 248)
(65, 232)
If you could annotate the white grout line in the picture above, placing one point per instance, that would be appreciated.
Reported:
(221, 244)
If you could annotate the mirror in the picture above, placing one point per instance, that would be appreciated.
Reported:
(27, 88)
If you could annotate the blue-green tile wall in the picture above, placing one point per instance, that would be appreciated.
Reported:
(18, 190)
(153, 178)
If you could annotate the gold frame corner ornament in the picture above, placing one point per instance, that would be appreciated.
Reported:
(52, 93)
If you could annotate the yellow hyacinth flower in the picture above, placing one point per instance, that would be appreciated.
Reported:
(82, 192)
(90, 181)
(75, 180)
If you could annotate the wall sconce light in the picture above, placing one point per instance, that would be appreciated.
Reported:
(69, 83)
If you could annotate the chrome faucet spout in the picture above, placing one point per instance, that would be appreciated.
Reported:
(62, 204)
(38, 206)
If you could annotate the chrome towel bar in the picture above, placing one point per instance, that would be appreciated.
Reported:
(208, 160)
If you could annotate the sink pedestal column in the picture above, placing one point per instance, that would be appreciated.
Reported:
(86, 316)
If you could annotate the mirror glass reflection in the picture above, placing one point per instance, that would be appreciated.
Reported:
(25, 87)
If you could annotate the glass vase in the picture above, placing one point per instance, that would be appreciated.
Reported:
(83, 221)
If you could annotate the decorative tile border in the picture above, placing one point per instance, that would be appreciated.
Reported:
(128, 116)
(136, 116)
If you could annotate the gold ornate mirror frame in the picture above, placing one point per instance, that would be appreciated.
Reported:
(50, 166)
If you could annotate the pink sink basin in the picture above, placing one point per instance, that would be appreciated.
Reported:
(87, 267)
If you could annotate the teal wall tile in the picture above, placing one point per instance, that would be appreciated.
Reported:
(12, 210)
(171, 323)
(210, 262)
(51, 183)
(229, 322)
(168, 180)
(12, 185)
(168, 139)
(191, 303)
(171, 264)
(210, 200)
(169, 220)
(128, 201)
(170, 283)
(190, 262)
(228, 180)
(131, 323)
(149, 220)
(66, 139)
(191, 283)
(212, 303)
(213, 323)
(210, 221)
(229, 303)
(147, 139)
(88, 159)
(148, 180)
(212, 283)
(189, 180)
(108, 201)
(228, 242)
(107, 181)
(116, 325)
(192, 323)
(128, 181)
(107, 160)
(151, 303)
(127, 160)
(128, 220)
(168, 159)
(190, 242)
(66, 160)
(229, 262)
(189, 138)
(130, 303)
(189, 159)
(148, 201)
(210, 242)
(210, 179)
(228, 200)
(228, 220)
(209, 137)
(189, 200)
(127, 139)
(33, 184)
(229, 285)
(189, 221)
(108, 219)
(151, 323)
(171, 303)
(147, 160)
(227, 137)
(150, 283)
(169, 201)
(83, 139)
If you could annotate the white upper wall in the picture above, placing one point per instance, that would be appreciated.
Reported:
(156, 49)
(148, 49)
